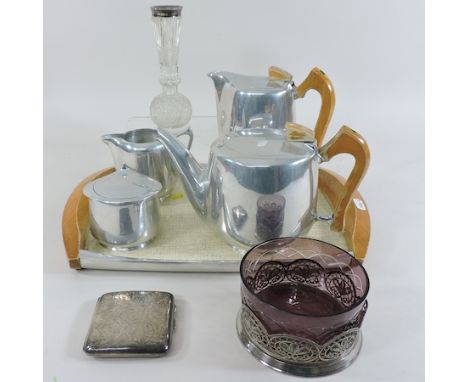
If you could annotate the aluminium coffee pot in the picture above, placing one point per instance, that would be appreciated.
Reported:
(261, 101)
(258, 185)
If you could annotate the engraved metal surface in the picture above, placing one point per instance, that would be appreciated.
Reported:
(131, 324)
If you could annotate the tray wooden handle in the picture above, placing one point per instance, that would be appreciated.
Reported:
(75, 219)
(347, 141)
(356, 229)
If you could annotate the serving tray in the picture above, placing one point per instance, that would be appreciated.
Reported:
(188, 244)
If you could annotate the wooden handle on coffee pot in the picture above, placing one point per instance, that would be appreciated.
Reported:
(347, 141)
(320, 82)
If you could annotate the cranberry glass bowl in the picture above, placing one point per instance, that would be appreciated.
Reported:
(303, 303)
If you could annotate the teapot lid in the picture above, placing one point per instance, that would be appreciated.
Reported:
(262, 146)
(122, 186)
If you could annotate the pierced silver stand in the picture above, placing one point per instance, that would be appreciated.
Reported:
(316, 369)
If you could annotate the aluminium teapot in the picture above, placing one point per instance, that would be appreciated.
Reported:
(258, 185)
(259, 101)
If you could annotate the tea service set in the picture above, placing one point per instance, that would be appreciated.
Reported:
(303, 300)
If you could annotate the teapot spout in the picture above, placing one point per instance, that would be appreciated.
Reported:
(194, 177)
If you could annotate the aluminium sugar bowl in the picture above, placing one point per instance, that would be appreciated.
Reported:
(124, 209)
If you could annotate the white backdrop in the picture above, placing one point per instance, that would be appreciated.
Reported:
(100, 67)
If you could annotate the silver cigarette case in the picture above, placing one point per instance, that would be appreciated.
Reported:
(131, 324)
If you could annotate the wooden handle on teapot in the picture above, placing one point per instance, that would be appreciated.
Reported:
(347, 141)
(320, 82)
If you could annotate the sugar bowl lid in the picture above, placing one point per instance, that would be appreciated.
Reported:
(122, 186)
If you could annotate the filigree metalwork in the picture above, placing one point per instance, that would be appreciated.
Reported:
(289, 348)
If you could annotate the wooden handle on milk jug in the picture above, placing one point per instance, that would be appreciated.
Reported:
(347, 141)
(320, 82)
